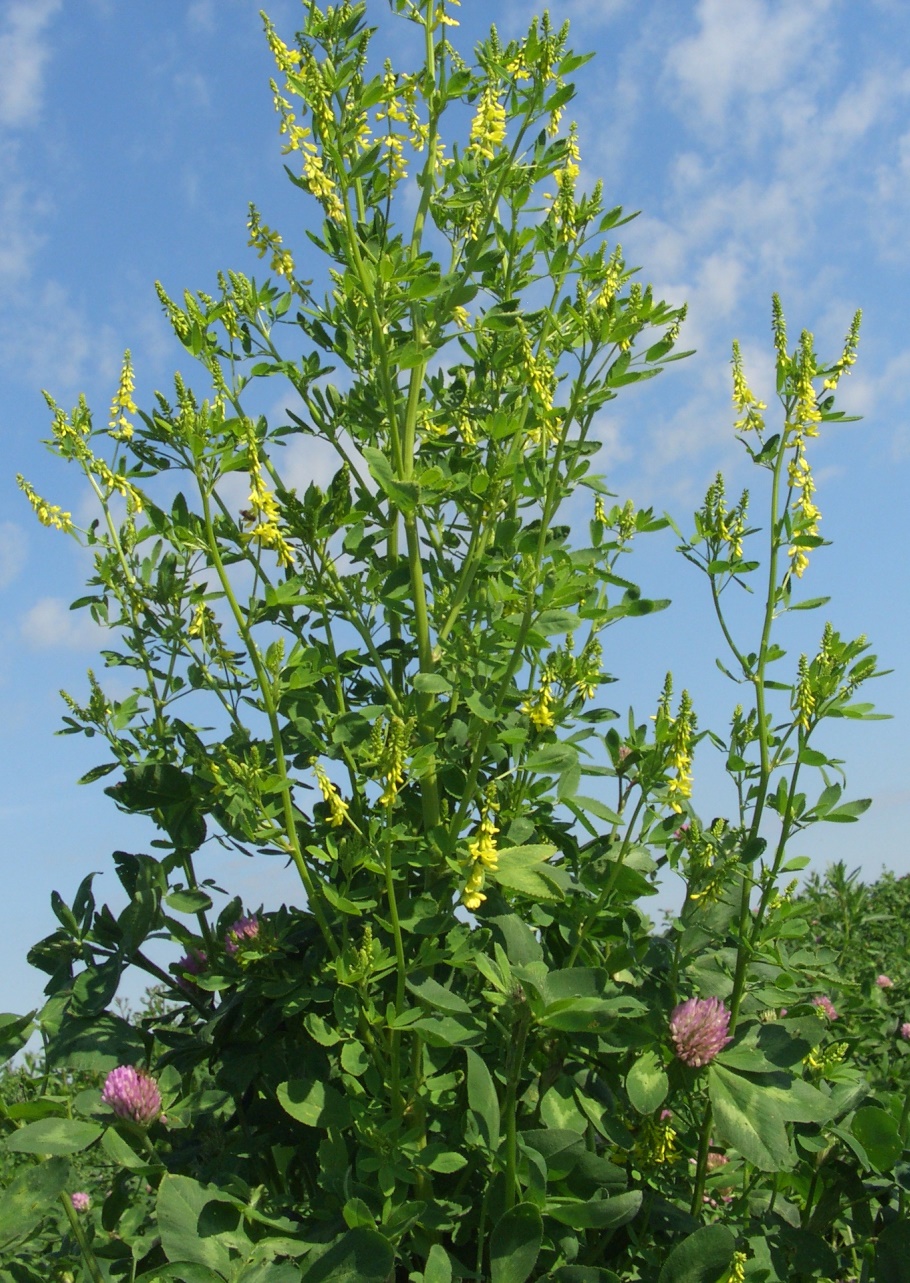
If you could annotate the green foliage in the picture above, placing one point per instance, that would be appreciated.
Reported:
(458, 1059)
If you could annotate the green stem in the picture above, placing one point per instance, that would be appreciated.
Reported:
(400, 975)
(701, 1162)
(744, 947)
(510, 1106)
(314, 894)
(188, 868)
(608, 886)
(91, 1262)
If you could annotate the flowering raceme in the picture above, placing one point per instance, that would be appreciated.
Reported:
(80, 1201)
(243, 930)
(825, 1006)
(698, 1030)
(132, 1094)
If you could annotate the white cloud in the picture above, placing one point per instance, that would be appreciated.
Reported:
(201, 14)
(12, 552)
(23, 54)
(743, 51)
(50, 623)
(19, 239)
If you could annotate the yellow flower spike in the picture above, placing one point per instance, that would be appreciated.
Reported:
(655, 1143)
(737, 1271)
(482, 848)
(390, 750)
(808, 415)
(488, 128)
(847, 357)
(804, 698)
(539, 709)
(679, 758)
(442, 19)
(338, 808)
(483, 856)
(265, 513)
(49, 514)
(123, 404)
(745, 400)
(779, 326)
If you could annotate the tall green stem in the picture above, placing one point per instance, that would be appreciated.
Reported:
(91, 1261)
(701, 1162)
(758, 676)
(314, 894)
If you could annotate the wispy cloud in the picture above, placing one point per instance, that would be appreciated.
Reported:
(12, 552)
(746, 53)
(24, 51)
(51, 623)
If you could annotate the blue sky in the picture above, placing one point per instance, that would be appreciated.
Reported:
(767, 145)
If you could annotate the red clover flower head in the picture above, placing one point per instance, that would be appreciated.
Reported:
(242, 930)
(132, 1094)
(80, 1201)
(825, 1006)
(698, 1030)
(905, 1030)
(884, 982)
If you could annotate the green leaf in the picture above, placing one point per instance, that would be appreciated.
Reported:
(647, 1084)
(849, 813)
(438, 1268)
(515, 1244)
(596, 1213)
(583, 1274)
(184, 1272)
(121, 1152)
(811, 603)
(14, 1033)
(98, 1043)
(404, 494)
(432, 684)
(554, 623)
(703, 1257)
(362, 1255)
(436, 995)
(30, 1196)
(53, 1136)
(314, 1104)
(180, 1204)
(553, 759)
(481, 707)
(356, 1212)
(879, 1136)
(483, 1100)
(435, 1158)
(598, 808)
(190, 901)
(749, 1119)
(892, 1253)
(588, 1015)
(523, 869)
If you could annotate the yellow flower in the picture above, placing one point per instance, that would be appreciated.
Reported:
(49, 514)
(483, 857)
(539, 709)
(266, 514)
(804, 699)
(338, 808)
(680, 755)
(737, 1271)
(488, 128)
(656, 1143)
(744, 399)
